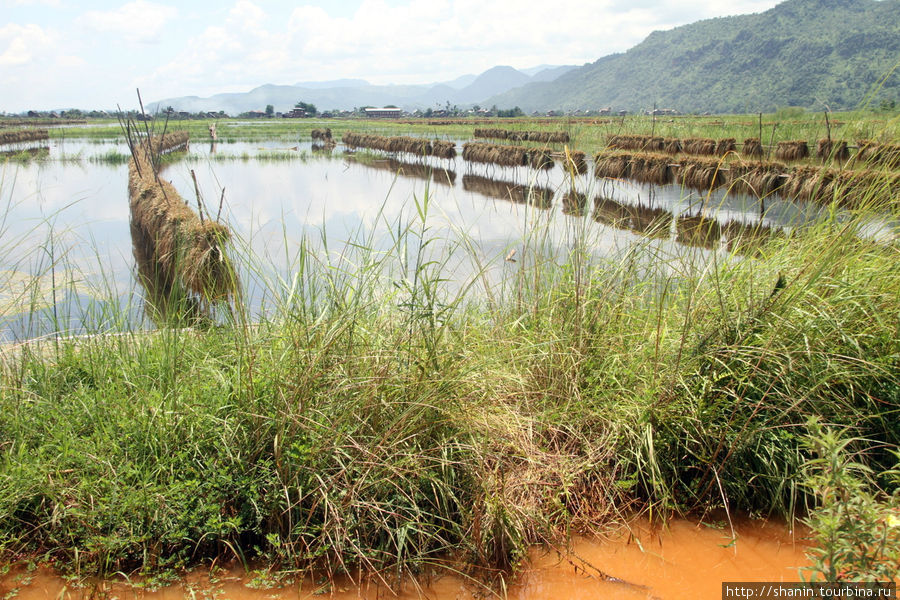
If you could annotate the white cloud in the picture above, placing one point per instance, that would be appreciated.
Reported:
(34, 2)
(20, 43)
(140, 20)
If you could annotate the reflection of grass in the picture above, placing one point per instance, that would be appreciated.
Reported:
(384, 410)
(111, 157)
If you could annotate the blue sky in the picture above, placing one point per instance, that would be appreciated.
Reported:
(93, 54)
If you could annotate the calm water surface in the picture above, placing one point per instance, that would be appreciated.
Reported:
(65, 229)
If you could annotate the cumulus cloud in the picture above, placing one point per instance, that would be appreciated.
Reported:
(419, 41)
(140, 20)
(20, 43)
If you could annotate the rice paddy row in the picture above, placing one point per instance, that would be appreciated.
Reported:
(545, 137)
(869, 151)
(401, 144)
(760, 179)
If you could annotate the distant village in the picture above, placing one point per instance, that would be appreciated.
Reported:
(307, 111)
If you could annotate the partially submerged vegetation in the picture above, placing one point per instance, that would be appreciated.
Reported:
(379, 419)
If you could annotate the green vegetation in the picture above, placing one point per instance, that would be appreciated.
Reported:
(857, 531)
(384, 415)
(810, 53)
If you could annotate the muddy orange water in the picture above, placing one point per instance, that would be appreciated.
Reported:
(683, 559)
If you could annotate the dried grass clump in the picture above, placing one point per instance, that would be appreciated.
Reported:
(829, 149)
(752, 147)
(651, 168)
(612, 165)
(759, 179)
(627, 142)
(539, 197)
(545, 137)
(179, 249)
(699, 146)
(507, 156)
(576, 161)
(443, 149)
(875, 153)
(541, 158)
(323, 135)
(810, 183)
(792, 150)
(170, 142)
(26, 135)
(496, 134)
(700, 174)
(725, 146)
(395, 144)
(672, 146)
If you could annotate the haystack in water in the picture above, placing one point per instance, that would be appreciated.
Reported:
(829, 149)
(182, 253)
(752, 147)
(792, 150)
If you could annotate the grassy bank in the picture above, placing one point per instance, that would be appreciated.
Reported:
(379, 417)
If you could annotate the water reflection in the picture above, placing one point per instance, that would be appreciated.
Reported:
(532, 195)
(424, 171)
(273, 206)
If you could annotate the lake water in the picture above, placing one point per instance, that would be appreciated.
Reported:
(65, 238)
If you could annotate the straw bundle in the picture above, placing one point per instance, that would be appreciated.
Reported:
(505, 156)
(651, 168)
(170, 142)
(792, 150)
(545, 137)
(700, 174)
(496, 134)
(759, 179)
(575, 160)
(26, 135)
(725, 146)
(627, 142)
(443, 149)
(828, 149)
(321, 134)
(672, 146)
(752, 147)
(541, 158)
(399, 144)
(179, 249)
(699, 146)
(879, 154)
(810, 183)
(612, 166)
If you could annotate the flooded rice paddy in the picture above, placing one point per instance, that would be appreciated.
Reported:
(66, 241)
(682, 560)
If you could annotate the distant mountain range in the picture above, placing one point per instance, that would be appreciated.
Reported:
(809, 53)
(345, 94)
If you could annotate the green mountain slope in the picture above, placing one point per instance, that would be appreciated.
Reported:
(799, 53)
